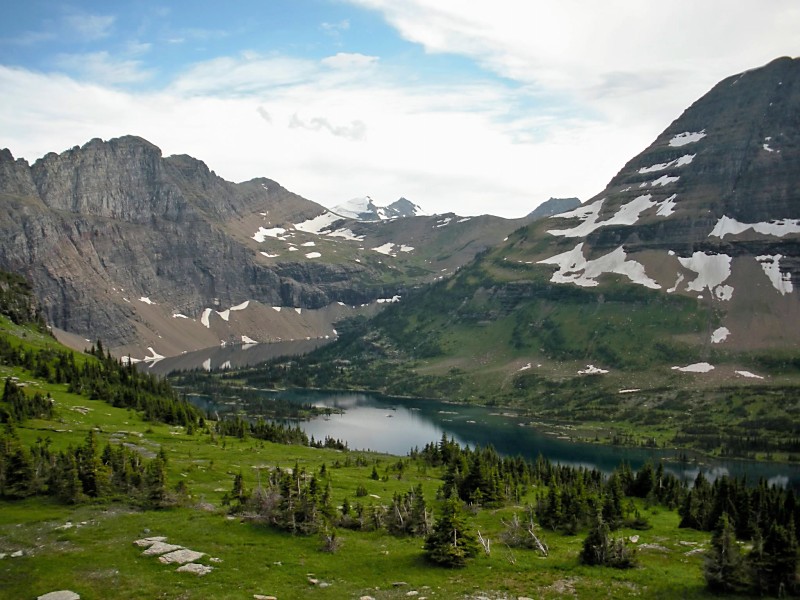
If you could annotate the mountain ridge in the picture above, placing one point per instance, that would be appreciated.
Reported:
(154, 254)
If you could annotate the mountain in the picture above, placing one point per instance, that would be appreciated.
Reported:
(554, 206)
(364, 209)
(158, 255)
(678, 278)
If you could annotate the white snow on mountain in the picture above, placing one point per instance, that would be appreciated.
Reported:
(748, 374)
(712, 271)
(779, 227)
(313, 255)
(574, 268)
(146, 300)
(688, 137)
(241, 306)
(319, 223)
(204, 317)
(666, 207)
(702, 367)
(356, 208)
(628, 214)
(678, 162)
(346, 234)
(772, 269)
(719, 335)
(263, 233)
(248, 340)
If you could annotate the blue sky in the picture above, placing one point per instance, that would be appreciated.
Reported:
(463, 106)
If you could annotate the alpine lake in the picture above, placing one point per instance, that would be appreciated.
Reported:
(395, 426)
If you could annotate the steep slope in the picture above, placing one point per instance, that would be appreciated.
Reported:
(157, 256)
(680, 275)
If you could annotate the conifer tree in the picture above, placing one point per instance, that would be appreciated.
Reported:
(774, 562)
(451, 542)
(725, 568)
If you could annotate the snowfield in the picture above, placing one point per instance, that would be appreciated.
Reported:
(779, 228)
(628, 214)
(688, 137)
(712, 271)
(702, 367)
(720, 335)
(772, 269)
(678, 162)
(574, 268)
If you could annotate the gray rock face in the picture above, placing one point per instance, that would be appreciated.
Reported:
(117, 216)
(117, 240)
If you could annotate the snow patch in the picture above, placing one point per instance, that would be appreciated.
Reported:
(225, 365)
(627, 214)
(748, 374)
(308, 244)
(263, 233)
(225, 314)
(719, 335)
(207, 364)
(241, 306)
(772, 269)
(701, 367)
(779, 227)
(666, 207)
(318, 224)
(276, 308)
(179, 316)
(388, 300)
(299, 311)
(678, 162)
(346, 234)
(204, 317)
(712, 270)
(574, 268)
(592, 370)
(444, 222)
(313, 255)
(687, 137)
(154, 356)
(525, 368)
(662, 181)
(385, 248)
(292, 249)
(146, 300)
(268, 255)
(248, 340)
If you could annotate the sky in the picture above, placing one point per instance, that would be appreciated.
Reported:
(461, 106)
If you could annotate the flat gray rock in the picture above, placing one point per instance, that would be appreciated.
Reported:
(184, 555)
(160, 548)
(60, 595)
(195, 568)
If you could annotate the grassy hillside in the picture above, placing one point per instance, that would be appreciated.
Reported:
(88, 547)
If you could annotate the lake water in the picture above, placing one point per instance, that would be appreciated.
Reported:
(396, 425)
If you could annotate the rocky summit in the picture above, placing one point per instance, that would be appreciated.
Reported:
(158, 255)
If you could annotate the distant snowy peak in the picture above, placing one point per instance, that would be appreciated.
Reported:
(365, 209)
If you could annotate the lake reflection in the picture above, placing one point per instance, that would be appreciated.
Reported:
(397, 425)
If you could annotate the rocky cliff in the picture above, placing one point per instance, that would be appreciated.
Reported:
(156, 253)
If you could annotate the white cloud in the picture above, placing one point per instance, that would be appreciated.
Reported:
(583, 87)
(101, 67)
(90, 27)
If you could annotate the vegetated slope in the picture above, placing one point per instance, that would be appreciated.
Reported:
(158, 256)
(98, 495)
(674, 286)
